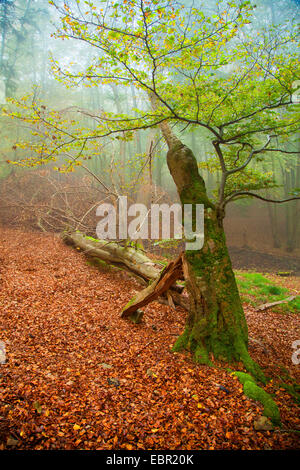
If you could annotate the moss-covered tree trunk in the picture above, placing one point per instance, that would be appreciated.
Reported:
(216, 326)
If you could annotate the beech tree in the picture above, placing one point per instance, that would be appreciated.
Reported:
(195, 69)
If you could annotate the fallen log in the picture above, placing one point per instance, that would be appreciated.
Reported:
(133, 261)
(113, 253)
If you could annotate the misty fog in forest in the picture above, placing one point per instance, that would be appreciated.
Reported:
(35, 198)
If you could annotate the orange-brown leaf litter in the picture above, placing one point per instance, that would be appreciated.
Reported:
(77, 376)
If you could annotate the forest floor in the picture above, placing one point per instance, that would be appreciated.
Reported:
(79, 377)
(250, 258)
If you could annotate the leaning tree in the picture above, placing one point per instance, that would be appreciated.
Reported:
(196, 68)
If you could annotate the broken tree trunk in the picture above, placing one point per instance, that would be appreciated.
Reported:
(161, 285)
(133, 261)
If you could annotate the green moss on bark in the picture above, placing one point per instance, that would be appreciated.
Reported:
(256, 393)
(243, 377)
(253, 391)
(216, 325)
(182, 341)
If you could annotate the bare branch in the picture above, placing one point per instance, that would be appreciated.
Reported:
(240, 194)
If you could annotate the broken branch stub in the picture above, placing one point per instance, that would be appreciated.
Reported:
(169, 275)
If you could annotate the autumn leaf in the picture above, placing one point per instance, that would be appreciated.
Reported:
(142, 413)
(37, 407)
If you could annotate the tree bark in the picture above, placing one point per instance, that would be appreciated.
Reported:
(216, 326)
(113, 253)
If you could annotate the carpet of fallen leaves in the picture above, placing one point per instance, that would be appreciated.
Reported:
(79, 377)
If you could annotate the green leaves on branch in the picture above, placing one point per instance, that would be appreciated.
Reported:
(208, 70)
